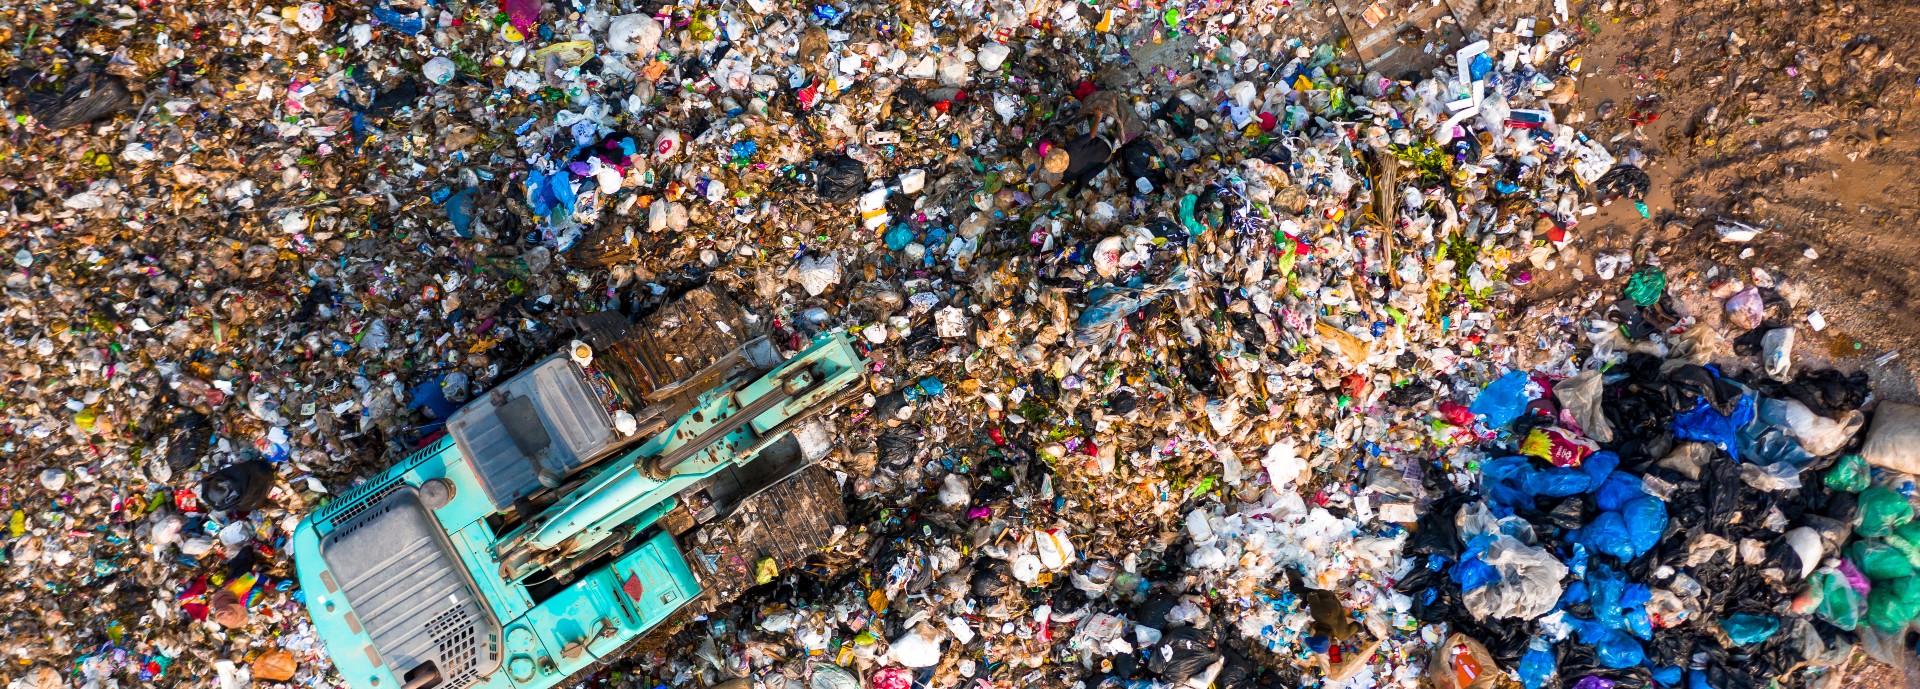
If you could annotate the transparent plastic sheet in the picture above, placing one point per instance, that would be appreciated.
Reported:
(1579, 398)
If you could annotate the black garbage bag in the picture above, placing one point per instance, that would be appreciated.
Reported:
(86, 98)
(1828, 392)
(992, 580)
(239, 487)
(898, 446)
(1435, 597)
(186, 439)
(1722, 492)
(1141, 159)
(1153, 612)
(1196, 364)
(401, 95)
(1249, 330)
(1623, 180)
(1691, 383)
(1638, 411)
(320, 295)
(1237, 672)
(1122, 402)
(1435, 533)
(1189, 653)
(840, 179)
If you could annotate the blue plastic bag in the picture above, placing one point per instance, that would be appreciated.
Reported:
(1515, 481)
(1607, 533)
(539, 193)
(1704, 424)
(1503, 400)
(1616, 490)
(1472, 573)
(409, 24)
(1646, 519)
(460, 211)
(1597, 466)
(1108, 307)
(1537, 666)
(1618, 650)
(1667, 675)
(1613, 648)
(898, 237)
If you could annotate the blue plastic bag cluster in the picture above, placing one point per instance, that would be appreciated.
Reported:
(1503, 400)
(1628, 524)
(1630, 521)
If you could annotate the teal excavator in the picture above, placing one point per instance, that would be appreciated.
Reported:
(651, 470)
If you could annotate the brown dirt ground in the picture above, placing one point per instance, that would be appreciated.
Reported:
(1795, 116)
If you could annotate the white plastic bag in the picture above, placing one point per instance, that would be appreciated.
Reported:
(1283, 464)
(1055, 549)
(1529, 582)
(1819, 435)
(631, 34)
(818, 273)
(992, 55)
(915, 649)
(1776, 353)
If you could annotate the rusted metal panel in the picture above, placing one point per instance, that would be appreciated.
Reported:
(666, 347)
(789, 523)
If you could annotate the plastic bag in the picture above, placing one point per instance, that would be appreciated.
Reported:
(1830, 597)
(1744, 629)
(1646, 519)
(1189, 654)
(1462, 663)
(1881, 511)
(1107, 308)
(1529, 582)
(1613, 648)
(818, 273)
(1879, 561)
(239, 487)
(1705, 424)
(1503, 400)
(832, 677)
(1647, 286)
(1579, 398)
(1537, 667)
(1608, 534)
(636, 33)
(1803, 545)
(841, 179)
(1819, 435)
(1776, 353)
(1746, 309)
(1893, 603)
(914, 649)
(1848, 475)
(1894, 440)
(86, 98)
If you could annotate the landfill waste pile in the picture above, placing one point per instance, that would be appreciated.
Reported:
(1184, 374)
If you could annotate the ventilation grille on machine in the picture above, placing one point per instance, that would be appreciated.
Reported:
(376, 489)
(456, 636)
